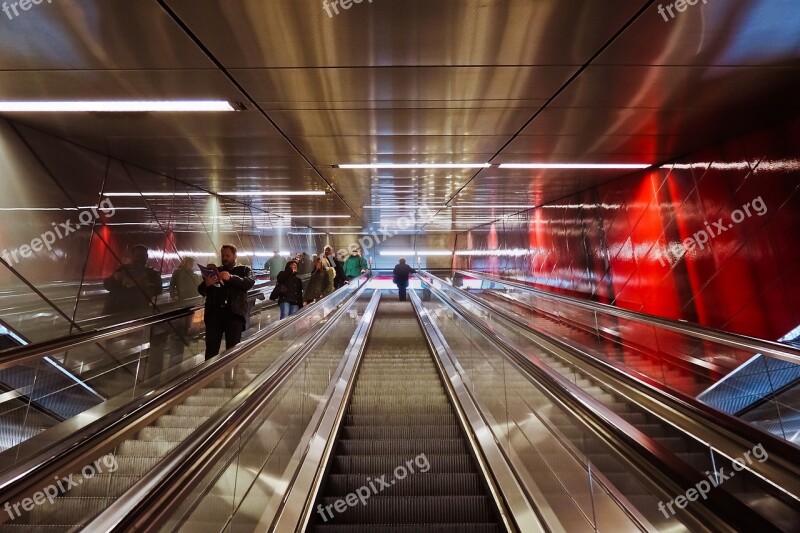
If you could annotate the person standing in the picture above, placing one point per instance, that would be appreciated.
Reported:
(330, 285)
(182, 288)
(226, 301)
(276, 265)
(288, 291)
(401, 273)
(184, 281)
(354, 266)
(305, 266)
(334, 262)
(317, 284)
(133, 287)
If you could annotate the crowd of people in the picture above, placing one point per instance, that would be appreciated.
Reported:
(299, 281)
(326, 273)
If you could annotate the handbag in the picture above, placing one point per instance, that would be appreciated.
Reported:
(278, 292)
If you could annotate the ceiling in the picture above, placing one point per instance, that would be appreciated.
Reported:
(405, 81)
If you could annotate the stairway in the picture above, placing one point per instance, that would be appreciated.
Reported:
(398, 414)
(636, 358)
(138, 455)
(748, 489)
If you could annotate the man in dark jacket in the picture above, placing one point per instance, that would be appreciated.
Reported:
(133, 287)
(226, 302)
(289, 289)
(401, 273)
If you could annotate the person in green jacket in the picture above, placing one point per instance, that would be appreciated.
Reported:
(276, 265)
(184, 281)
(354, 266)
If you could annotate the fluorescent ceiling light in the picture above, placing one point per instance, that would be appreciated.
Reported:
(111, 106)
(136, 194)
(115, 208)
(39, 208)
(317, 216)
(272, 193)
(577, 165)
(399, 253)
(415, 165)
(338, 227)
(394, 207)
(312, 233)
(490, 206)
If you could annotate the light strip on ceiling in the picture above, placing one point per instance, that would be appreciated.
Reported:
(415, 165)
(317, 216)
(115, 106)
(587, 166)
(137, 194)
(272, 193)
(397, 207)
(420, 253)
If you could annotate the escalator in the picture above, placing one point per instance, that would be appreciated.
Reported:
(753, 380)
(148, 429)
(684, 377)
(633, 407)
(230, 447)
(44, 384)
(399, 418)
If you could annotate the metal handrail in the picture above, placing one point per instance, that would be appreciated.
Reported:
(147, 504)
(782, 451)
(22, 354)
(647, 454)
(294, 511)
(54, 459)
(733, 340)
(517, 506)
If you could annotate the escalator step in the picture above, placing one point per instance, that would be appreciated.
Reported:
(407, 446)
(421, 484)
(415, 510)
(401, 432)
(139, 448)
(389, 407)
(159, 434)
(417, 528)
(400, 420)
(365, 464)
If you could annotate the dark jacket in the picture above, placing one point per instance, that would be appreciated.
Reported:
(338, 267)
(294, 288)
(401, 273)
(233, 293)
(317, 285)
(138, 298)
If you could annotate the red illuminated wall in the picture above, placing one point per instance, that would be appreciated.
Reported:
(620, 243)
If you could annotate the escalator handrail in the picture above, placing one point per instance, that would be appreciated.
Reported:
(662, 463)
(160, 491)
(22, 354)
(294, 511)
(781, 450)
(516, 504)
(733, 340)
(52, 460)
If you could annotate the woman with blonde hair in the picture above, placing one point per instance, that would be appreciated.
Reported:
(331, 271)
(319, 283)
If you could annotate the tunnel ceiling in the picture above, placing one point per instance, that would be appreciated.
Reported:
(411, 81)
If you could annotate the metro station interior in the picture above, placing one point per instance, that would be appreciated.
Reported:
(600, 202)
